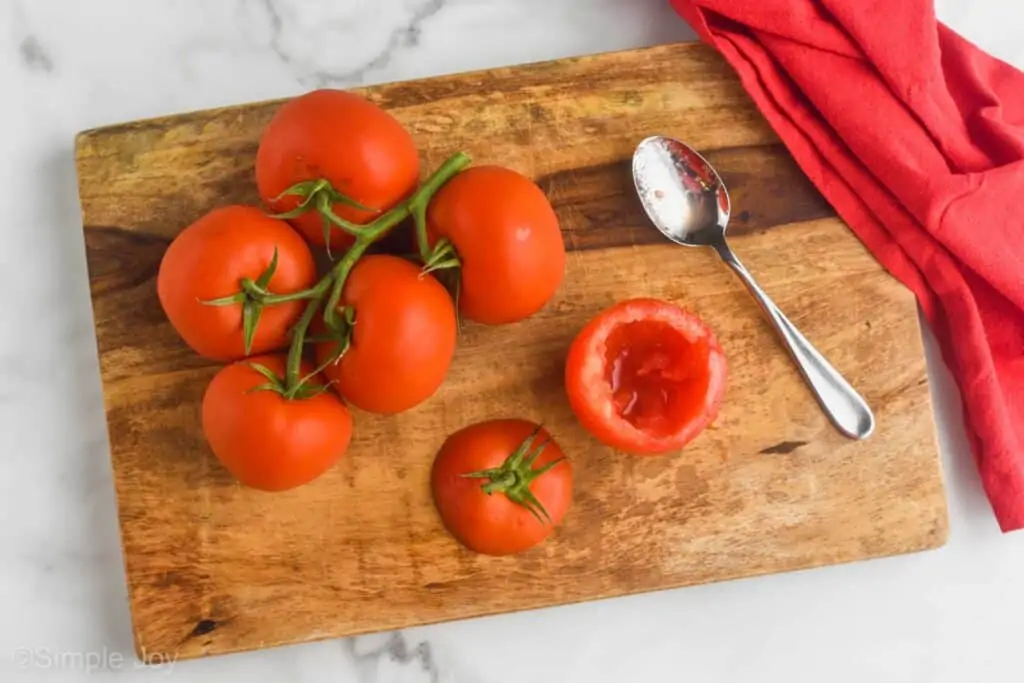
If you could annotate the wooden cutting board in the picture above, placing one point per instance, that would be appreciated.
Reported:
(213, 567)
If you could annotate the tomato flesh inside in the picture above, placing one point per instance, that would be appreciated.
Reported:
(658, 376)
(645, 376)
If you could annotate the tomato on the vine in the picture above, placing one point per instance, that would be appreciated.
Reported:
(202, 271)
(507, 237)
(402, 340)
(501, 486)
(265, 440)
(361, 150)
(645, 376)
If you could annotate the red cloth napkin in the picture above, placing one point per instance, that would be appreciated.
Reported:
(916, 137)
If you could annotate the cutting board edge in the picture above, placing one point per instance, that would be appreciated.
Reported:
(934, 542)
(82, 137)
(929, 401)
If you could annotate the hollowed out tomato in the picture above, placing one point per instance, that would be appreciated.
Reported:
(645, 376)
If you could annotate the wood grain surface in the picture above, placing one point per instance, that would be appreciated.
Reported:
(213, 567)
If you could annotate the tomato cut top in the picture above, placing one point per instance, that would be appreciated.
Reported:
(645, 376)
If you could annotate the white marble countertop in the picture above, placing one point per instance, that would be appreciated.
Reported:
(947, 615)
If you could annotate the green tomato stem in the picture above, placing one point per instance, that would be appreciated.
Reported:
(265, 298)
(417, 204)
(340, 274)
(334, 280)
(293, 370)
(378, 227)
(419, 215)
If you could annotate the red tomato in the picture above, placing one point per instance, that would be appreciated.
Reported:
(508, 239)
(266, 441)
(645, 376)
(403, 339)
(207, 261)
(339, 136)
(524, 495)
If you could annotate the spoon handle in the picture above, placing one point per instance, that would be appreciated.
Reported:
(844, 406)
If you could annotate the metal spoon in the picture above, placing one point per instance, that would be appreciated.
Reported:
(687, 201)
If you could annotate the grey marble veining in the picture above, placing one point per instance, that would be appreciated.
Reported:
(402, 35)
(66, 66)
(34, 55)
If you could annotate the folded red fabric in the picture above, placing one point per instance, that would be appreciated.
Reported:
(916, 137)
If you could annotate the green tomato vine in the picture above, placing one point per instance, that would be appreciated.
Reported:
(320, 196)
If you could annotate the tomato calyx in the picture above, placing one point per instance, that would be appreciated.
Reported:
(303, 390)
(252, 307)
(253, 295)
(514, 476)
(320, 196)
(441, 259)
(339, 326)
(442, 255)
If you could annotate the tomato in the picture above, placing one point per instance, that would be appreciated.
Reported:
(363, 151)
(207, 261)
(403, 339)
(645, 376)
(501, 486)
(508, 239)
(266, 441)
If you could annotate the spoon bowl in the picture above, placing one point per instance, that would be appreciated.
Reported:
(681, 192)
(686, 200)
